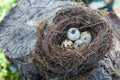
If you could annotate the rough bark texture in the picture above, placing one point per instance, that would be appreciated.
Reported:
(17, 39)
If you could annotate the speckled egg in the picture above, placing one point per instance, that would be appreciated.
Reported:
(73, 34)
(67, 44)
(78, 43)
(86, 37)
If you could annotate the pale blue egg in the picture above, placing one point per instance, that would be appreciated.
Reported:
(86, 37)
(73, 34)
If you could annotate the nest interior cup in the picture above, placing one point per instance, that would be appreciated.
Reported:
(52, 61)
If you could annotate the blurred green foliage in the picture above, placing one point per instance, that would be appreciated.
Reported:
(5, 71)
(5, 6)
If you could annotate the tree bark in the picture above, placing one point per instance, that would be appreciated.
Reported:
(17, 39)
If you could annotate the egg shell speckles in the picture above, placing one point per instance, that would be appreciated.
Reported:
(86, 37)
(78, 43)
(67, 44)
(73, 34)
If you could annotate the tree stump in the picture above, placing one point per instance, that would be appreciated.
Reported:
(19, 33)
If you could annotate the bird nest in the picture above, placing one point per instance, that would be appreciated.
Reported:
(52, 61)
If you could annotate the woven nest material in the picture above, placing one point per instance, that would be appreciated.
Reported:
(52, 61)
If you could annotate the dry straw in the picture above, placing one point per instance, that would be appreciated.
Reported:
(54, 62)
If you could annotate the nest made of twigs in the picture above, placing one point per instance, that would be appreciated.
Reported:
(52, 61)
